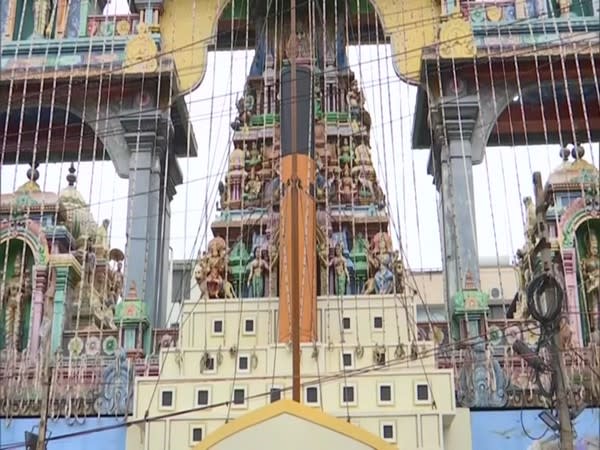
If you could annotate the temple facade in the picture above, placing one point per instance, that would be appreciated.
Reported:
(83, 340)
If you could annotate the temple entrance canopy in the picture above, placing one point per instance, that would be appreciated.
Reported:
(293, 426)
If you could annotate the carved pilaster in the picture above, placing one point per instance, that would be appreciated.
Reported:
(569, 259)
(59, 307)
(37, 309)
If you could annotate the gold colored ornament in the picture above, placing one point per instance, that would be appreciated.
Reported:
(123, 27)
(141, 52)
(456, 38)
(494, 13)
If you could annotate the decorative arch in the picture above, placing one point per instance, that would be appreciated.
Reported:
(297, 410)
(105, 125)
(189, 27)
(575, 216)
(32, 235)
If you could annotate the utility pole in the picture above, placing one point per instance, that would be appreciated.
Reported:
(552, 326)
(47, 380)
(295, 185)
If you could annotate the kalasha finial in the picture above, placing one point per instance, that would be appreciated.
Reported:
(132, 294)
(564, 153)
(33, 174)
(469, 282)
(72, 178)
(578, 152)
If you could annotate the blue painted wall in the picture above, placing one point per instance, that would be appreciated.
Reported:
(13, 432)
(503, 430)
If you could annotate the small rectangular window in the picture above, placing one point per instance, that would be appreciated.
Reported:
(197, 434)
(347, 360)
(239, 396)
(377, 322)
(348, 394)
(218, 327)
(202, 397)
(249, 326)
(312, 395)
(422, 391)
(346, 323)
(208, 364)
(243, 364)
(167, 399)
(275, 394)
(388, 431)
(385, 393)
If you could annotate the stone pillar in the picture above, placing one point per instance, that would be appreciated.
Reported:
(37, 309)
(454, 118)
(153, 173)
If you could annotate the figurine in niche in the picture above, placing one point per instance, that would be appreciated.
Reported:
(90, 263)
(254, 156)
(590, 269)
(256, 280)
(342, 275)
(101, 243)
(17, 290)
(222, 195)
(381, 259)
(356, 104)
(362, 155)
(345, 152)
(253, 187)
(201, 272)
(366, 190)
(118, 282)
(245, 107)
(347, 188)
(216, 267)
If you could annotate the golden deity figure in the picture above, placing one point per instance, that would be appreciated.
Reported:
(590, 270)
(18, 288)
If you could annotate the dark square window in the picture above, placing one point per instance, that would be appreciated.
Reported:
(346, 323)
(202, 397)
(385, 393)
(218, 326)
(378, 322)
(275, 394)
(209, 364)
(422, 392)
(388, 432)
(239, 396)
(348, 394)
(166, 398)
(243, 363)
(312, 395)
(249, 326)
(347, 358)
(197, 434)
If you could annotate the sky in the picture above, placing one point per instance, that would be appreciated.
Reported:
(501, 181)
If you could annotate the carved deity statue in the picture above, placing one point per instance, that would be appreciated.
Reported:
(101, 243)
(17, 289)
(117, 282)
(257, 268)
(253, 187)
(362, 155)
(347, 188)
(590, 270)
(381, 259)
(341, 273)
